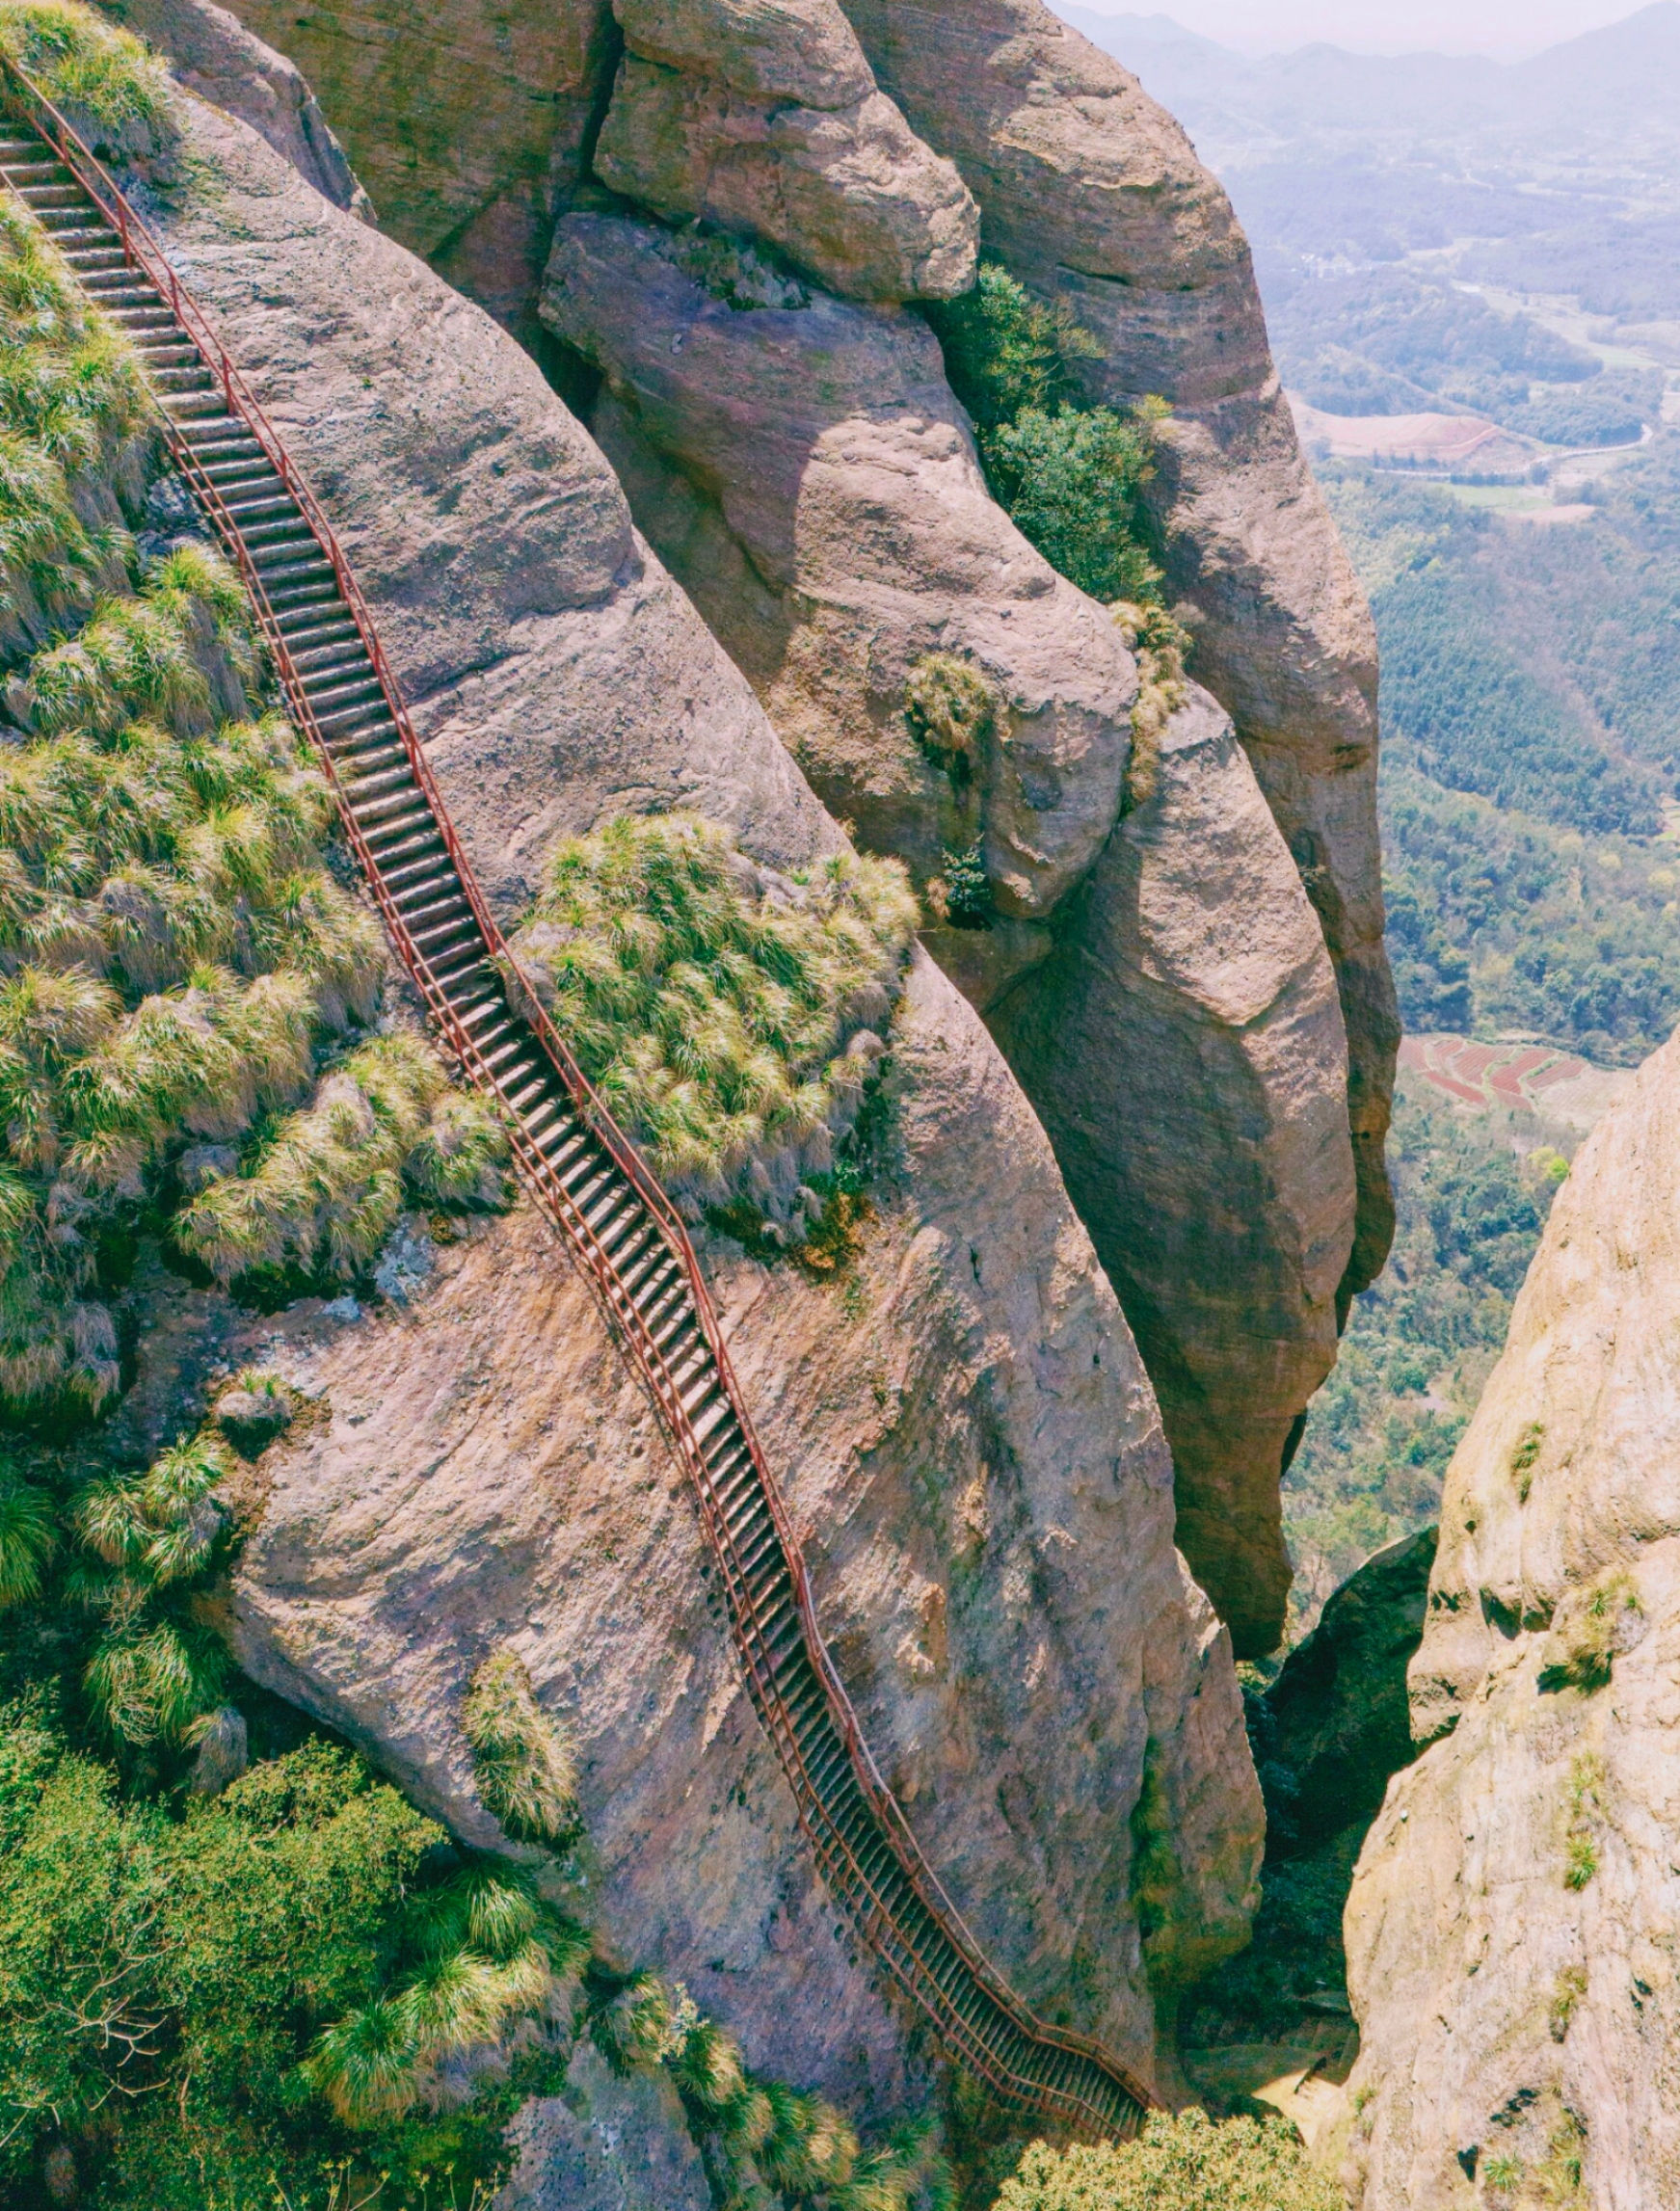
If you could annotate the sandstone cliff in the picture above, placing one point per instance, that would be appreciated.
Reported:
(782, 427)
(1512, 1929)
(963, 1422)
(1090, 192)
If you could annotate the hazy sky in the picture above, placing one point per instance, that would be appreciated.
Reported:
(1503, 27)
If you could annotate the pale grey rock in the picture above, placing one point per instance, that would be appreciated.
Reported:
(803, 52)
(850, 194)
(605, 2144)
(814, 482)
(1183, 1048)
(1513, 1929)
(1093, 195)
(215, 56)
(222, 1754)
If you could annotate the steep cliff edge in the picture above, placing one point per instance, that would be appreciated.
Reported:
(961, 1418)
(1092, 194)
(782, 423)
(1512, 1928)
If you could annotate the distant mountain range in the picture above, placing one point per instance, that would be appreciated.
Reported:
(1620, 82)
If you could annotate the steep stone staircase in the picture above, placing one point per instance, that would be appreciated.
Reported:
(579, 1167)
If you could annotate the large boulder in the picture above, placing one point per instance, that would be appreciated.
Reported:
(468, 125)
(1093, 195)
(964, 1427)
(762, 115)
(1515, 1924)
(1184, 1050)
(807, 471)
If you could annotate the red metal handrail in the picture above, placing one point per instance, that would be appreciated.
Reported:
(145, 253)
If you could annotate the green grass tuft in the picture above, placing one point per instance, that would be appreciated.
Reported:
(712, 1004)
(523, 1761)
(87, 65)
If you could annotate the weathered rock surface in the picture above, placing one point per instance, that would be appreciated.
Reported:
(469, 124)
(1184, 1050)
(1092, 192)
(1514, 1928)
(765, 118)
(812, 478)
(966, 1435)
(215, 56)
(605, 2145)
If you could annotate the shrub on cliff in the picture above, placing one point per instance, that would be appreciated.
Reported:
(1070, 475)
(523, 1760)
(203, 1974)
(712, 1004)
(1183, 2163)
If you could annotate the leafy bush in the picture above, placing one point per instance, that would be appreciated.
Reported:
(178, 1987)
(1186, 2163)
(85, 63)
(1073, 482)
(963, 889)
(525, 1765)
(711, 1004)
(1070, 475)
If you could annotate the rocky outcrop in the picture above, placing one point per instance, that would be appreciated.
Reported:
(1090, 193)
(763, 116)
(1513, 1926)
(809, 472)
(1183, 1048)
(802, 464)
(216, 57)
(962, 1424)
(469, 126)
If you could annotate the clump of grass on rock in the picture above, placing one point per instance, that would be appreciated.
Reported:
(116, 91)
(727, 1015)
(523, 1760)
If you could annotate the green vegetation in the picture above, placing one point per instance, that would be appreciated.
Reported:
(323, 1188)
(1070, 475)
(1528, 679)
(1524, 1454)
(951, 709)
(1585, 1803)
(713, 1005)
(1419, 1344)
(523, 1762)
(963, 889)
(1183, 2163)
(182, 1982)
(1567, 1995)
(102, 75)
(756, 2134)
(1581, 1651)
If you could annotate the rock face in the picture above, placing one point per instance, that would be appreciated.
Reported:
(964, 1430)
(1340, 1721)
(762, 115)
(469, 124)
(1091, 193)
(1515, 1924)
(1183, 1048)
(216, 57)
(807, 471)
